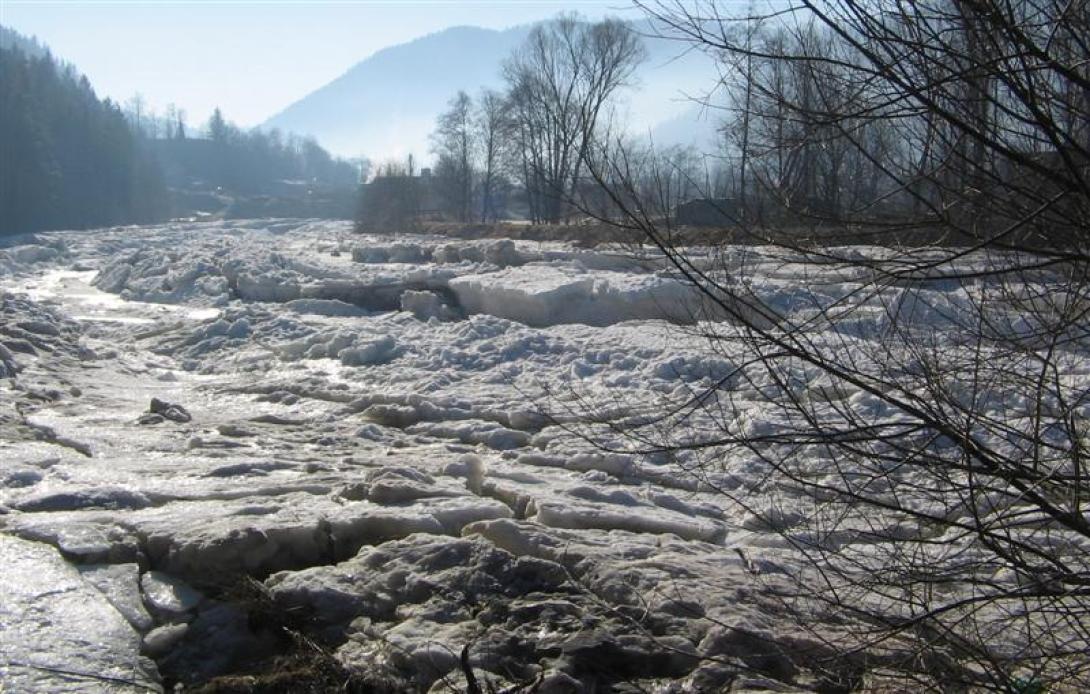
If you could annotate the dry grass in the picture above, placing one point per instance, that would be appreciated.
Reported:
(591, 234)
(303, 670)
(299, 665)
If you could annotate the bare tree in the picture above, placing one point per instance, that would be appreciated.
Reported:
(453, 144)
(136, 112)
(492, 126)
(560, 83)
(917, 410)
(391, 201)
(748, 76)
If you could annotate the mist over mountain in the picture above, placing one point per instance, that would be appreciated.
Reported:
(27, 45)
(385, 106)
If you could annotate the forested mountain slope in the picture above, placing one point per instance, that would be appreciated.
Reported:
(70, 160)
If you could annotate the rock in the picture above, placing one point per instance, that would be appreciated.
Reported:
(175, 413)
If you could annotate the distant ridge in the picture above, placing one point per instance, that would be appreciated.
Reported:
(387, 103)
(385, 106)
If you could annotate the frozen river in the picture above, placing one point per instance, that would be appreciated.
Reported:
(387, 440)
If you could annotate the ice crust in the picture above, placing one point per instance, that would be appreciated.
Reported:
(58, 632)
(367, 438)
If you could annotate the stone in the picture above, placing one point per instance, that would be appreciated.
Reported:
(175, 413)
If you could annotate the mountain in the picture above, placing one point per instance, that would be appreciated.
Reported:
(695, 125)
(386, 105)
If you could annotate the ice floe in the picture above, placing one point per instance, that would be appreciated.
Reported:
(407, 439)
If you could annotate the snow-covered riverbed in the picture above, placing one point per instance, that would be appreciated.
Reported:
(407, 481)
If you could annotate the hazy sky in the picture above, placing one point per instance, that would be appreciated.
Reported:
(250, 58)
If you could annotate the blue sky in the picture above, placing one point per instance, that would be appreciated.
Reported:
(250, 58)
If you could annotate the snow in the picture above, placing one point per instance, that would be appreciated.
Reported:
(389, 433)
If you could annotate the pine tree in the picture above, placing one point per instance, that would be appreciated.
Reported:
(69, 159)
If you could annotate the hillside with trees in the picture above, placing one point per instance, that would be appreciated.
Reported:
(74, 161)
(70, 160)
(221, 169)
(222, 154)
(28, 45)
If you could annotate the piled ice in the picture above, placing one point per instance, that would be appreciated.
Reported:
(548, 294)
(414, 604)
(29, 331)
(536, 286)
(387, 435)
(21, 254)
